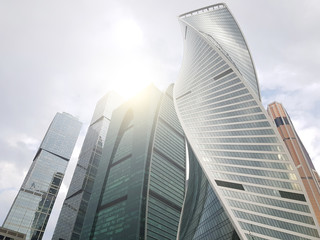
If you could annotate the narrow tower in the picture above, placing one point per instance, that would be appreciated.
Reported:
(74, 208)
(299, 154)
(31, 209)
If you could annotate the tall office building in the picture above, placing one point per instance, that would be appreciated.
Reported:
(299, 154)
(139, 189)
(31, 209)
(236, 144)
(74, 208)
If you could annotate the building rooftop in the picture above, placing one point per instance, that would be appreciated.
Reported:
(204, 9)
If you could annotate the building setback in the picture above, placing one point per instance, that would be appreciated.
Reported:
(7, 234)
(237, 146)
(139, 189)
(299, 154)
(32, 206)
(72, 214)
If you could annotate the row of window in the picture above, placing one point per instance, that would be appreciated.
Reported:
(282, 203)
(277, 223)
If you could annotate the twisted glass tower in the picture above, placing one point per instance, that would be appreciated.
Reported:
(252, 177)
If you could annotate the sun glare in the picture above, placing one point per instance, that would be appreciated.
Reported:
(132, 68)
(127, 33)
(131, 78)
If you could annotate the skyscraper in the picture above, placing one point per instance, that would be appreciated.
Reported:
(299, 154)
(31, 209)
(139, 189)
(236, 144)
(74, 208)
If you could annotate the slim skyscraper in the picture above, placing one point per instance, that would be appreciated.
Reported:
(31, 209)
(74, 208)
(299, 154)
(139, 189)
(237, 146)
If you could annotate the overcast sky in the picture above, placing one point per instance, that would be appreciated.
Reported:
(65, 55)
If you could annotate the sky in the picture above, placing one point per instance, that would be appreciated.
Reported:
(62, 56)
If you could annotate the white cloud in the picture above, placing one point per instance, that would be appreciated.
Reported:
(11, 176)
(29, 142)
(7, 197)
(127, 34)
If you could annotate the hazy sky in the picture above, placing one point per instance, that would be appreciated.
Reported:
(65, 55)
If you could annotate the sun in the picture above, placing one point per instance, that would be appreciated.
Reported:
(133, 68)
(127, 34)
(131, 79)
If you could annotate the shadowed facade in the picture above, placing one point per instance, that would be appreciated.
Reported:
(139, 189)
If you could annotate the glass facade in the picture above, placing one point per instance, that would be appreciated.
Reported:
(72, 214)
(203, 216)
(166, 187)
(31, 209)
(139, 189)
(237, 146)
